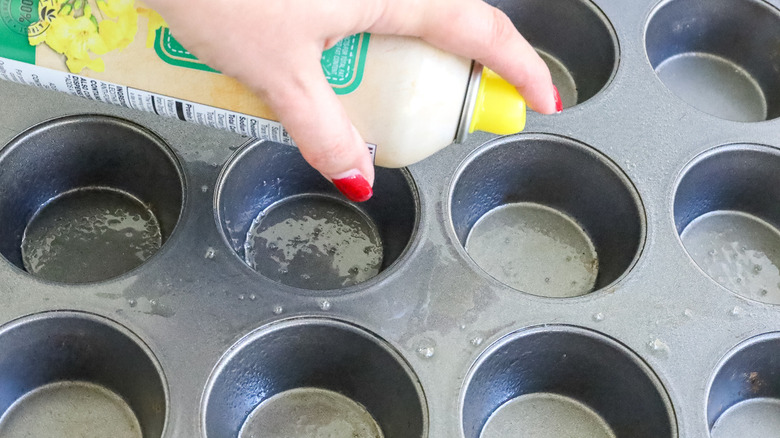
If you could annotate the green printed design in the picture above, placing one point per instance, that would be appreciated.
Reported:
(342, 64)
(16, 16)
(172, 52)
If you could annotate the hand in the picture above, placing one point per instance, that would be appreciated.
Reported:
(274, 47)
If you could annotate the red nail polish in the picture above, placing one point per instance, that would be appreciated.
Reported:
(354, 187)
(558, 101)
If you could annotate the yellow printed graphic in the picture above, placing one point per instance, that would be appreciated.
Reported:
(82, 33)
(47, 11)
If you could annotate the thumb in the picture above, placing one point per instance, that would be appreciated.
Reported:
(311, 113)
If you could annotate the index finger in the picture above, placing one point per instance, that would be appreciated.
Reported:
(476, 30)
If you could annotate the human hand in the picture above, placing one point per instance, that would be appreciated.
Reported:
(274, 47)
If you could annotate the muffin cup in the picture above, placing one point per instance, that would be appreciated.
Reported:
(283, 219)
(316, 375)
(547, 215)
(87, 198)
(75, 374)
(725, 210)
(564, 381)
(715, 56)
(744, 394)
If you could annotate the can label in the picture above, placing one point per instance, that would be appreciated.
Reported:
(27, 22)
(342, 64)
(122, 52)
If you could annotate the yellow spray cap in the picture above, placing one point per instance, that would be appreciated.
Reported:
(499, 108)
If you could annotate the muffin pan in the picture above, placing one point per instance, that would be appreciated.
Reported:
(612, 272)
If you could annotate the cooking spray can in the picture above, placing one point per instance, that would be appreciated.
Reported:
(406, 98)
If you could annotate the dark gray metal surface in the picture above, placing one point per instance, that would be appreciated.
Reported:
(654, 334)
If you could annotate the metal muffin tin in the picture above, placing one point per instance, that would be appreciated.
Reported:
(613, 272)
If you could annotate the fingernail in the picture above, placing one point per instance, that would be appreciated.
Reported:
(353, 185)
(558, 101)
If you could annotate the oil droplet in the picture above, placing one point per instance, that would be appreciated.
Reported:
(278, 310)
(132, 303)
(658, 346)
(204, 188)
(210, 253)
(763, 292)
(252, 297)
(325, 305)
(598, 317)
(425, 347)
(426, 352)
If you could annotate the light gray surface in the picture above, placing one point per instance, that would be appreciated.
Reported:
(756, 418)
(434, 305)
(715, 86)
(314, 242)
(534, 249)
(545, 416)
(310, 413)
(86, 236)
(69, 410)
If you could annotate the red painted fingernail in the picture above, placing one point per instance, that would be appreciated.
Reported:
(558, 101)
(354, 186)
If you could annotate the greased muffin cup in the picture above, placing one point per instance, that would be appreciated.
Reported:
(87, 198)
(292, 226)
